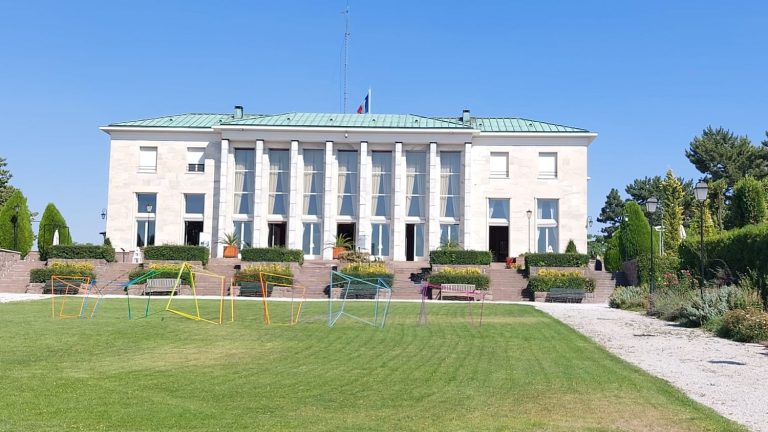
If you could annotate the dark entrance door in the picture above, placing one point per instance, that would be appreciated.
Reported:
(498, 242)
(347, 230)
(277, 234)
(192, 230)
(410, 232)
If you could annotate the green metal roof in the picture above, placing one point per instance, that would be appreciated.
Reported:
(400, 121)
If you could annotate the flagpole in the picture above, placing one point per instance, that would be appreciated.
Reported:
(370, 102)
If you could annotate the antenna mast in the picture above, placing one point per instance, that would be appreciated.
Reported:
(346, 54)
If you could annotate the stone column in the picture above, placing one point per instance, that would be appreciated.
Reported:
(433, 215)
(225, 211)
(399, 177)
(294, 212)
(466, 217)
(364, 199)
(329, 202)
(259, 210)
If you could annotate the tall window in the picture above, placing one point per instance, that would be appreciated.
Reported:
(546, 225)
(194, 207)
(449, 233)
(313, 182)
(500, 165)
(450, 182)
(244, 232)
(416, 176)
(498, 210)
(244, 159)
(195, 159)
(146, 213)
(279, 171)
(381, 182)
(148, 159)
(311, 239)
(380, 240)
(547, 165)
(347, 182)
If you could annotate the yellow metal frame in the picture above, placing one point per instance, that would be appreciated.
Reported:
(77, 283)
(193, 271)
(295, 308)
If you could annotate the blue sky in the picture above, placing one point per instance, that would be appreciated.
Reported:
(647, 75)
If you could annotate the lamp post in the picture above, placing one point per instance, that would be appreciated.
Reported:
(650, 206)
(529, 213)
(701, 191)
(15, 220)
(148, 208)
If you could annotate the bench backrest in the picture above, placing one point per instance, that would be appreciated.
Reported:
(457, 287)
(161, 283)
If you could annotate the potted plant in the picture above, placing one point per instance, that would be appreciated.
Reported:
(342, 244)
(231, 245)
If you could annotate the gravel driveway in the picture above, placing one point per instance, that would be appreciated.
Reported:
(730, 377)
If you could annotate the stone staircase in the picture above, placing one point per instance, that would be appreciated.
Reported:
(314, 276)
(111, 277)
(15, 277)
(506, 284)
(403, 288)
(605, 283)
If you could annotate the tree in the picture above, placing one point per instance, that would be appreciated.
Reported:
(748, 206)
(5, 178)
(709, 225)
(717, 202)
(23, 235)
(612, 259)
(672, 202)
(642, 189)
(635, 233)
(719, 154)
(611, 213)
(571, 248)
(51, 222)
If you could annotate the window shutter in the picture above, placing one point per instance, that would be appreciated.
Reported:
(499, 164)
(148, 159)
(547, 165)
(195, 156)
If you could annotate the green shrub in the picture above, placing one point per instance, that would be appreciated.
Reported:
(749, 325)
(698, 311)
(555, 260)
(629, 298)
(109, 251)
(50, 222)
(668, 303)
(548, 279)
(748, 202)
(470, 276)
(23, 235)
(273, 254)
(177, 253)
(164, 271)
(612, 254)
(42, 275)
(665, 264)
(635, 235)
(571, 248)
(81, 252)
(273, 273)
(370, 271)
(460, 257)
(741, 250)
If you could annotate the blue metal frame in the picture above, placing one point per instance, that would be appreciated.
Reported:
(379, 316)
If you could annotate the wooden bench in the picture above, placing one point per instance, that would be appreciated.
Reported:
(565, 295)
(252, 289)
(463, 291)
(159, 286)
(361, 291)
(60, 288)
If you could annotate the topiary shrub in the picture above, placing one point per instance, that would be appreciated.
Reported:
(635, 234)
(749, 325)
(470, 276)
(81, 252)
(23, 234)
(177, 253)
(629, 298)
(42, 275)
(555, 260)
(273, 254)
(748, 202)
(571, 248)
(460, 257)
(612, 254)
(51, 222)
(109, 251)
(548, 279)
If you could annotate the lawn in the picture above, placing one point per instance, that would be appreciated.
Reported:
(521, 371)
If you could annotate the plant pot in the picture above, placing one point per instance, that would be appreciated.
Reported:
(338, 250)
(540, 296)
(230, 251)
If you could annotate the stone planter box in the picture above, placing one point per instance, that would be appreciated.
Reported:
(540, 296)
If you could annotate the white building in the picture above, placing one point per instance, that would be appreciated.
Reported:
(399, 185)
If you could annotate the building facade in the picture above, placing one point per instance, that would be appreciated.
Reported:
(397, 185)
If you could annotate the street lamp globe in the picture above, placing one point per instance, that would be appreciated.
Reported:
(701, 191)
(651, 204)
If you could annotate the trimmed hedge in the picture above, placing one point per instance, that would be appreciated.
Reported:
(555, 260)
(273, 254)
(741, 250)
(274, 271)
(471, 276)
(42, 275)
(177, 253)
(546, 280)
(24, 235)
(81, 252)
(460, 257)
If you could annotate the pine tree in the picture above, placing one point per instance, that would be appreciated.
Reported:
(611, 213)
(5, 187)
(672, 203)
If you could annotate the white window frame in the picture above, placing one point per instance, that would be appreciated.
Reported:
(375, 195)
(353, 172)
(313, 225)
(498, 221)
(248, 188)
(243, 242)
(421, 197)
(318, 195)
(379, 228)
(496, 173)
(444, 194)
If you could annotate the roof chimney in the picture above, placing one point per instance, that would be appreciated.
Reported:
(238, 111)
(465, 116)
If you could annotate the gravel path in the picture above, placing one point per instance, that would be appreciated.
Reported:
(728, 376)
(10, 297)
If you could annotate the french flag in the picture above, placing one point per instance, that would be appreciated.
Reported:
(365, 107)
